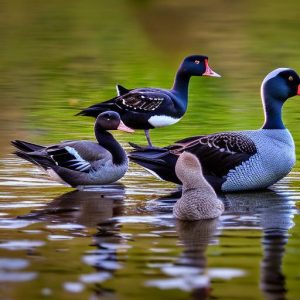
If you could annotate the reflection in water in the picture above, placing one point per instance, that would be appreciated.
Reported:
(90, 209)
(274, 212)
(107, 258)
(196, 236)
(189, 271)
(270, 211)
(87, 208)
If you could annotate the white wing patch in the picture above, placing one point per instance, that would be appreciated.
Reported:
(78, 163)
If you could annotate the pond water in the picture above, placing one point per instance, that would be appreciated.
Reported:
(121, 241)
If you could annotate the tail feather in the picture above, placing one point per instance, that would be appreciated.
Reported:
(89, 112)
(151, 158)
(96, 109)
(158, 161)
(156, 155)
(35, 159)
(25, 146)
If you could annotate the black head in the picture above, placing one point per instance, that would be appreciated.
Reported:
(197, 65)
(281, 84)
(111, 120)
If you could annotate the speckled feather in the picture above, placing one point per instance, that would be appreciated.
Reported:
(142, 100)
(239, 160)
(231, 142)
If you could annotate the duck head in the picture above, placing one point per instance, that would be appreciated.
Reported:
(189, 171)
(111, 120)
(276, 88)
(197, 65)
(281, 84)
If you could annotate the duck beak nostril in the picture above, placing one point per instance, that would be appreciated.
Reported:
(298, 91)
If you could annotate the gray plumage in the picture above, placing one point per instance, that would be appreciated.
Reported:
(198, 200)
(80, 163)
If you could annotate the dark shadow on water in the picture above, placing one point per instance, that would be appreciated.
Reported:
(269, 210)
(87, 208)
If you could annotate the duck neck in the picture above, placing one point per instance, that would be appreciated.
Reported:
(195, 183)
(273, 112)
(181, 84)
(107, 141)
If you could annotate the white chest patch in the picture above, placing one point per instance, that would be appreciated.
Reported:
(161, 121)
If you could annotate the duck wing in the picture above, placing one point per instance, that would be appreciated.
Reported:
(77, 155)
(143, 100)
(218, 153)
(137, 100)
(25, 146)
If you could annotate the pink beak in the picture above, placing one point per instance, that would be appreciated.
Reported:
(298, 91)
(209, 71)
(123, 127)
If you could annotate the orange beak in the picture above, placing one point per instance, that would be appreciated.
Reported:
(123, 127)
(209, 71)
(298, 91)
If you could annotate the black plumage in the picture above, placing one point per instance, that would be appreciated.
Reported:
(138, 107)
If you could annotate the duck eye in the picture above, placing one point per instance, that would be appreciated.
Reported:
(197, 62)
(291, 78)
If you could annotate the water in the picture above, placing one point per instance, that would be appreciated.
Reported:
(121, 241)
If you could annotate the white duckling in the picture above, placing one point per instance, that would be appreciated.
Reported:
(199, 200)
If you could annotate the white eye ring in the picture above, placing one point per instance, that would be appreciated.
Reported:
(291, 78)
(197, 62)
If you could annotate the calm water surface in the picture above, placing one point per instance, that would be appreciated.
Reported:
(121, 241)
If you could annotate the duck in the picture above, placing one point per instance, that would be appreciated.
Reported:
(198, 200)
(237, 160)
(82, 163)
(148, 108)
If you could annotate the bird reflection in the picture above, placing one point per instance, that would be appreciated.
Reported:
(275, 212)
(189, 271)
(87, 208)
(93, 208)
(196, 236)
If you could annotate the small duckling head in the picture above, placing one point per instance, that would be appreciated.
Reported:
(189, 171)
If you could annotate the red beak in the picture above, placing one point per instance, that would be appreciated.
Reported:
(209, 71)
(123, 127)
(298, 91)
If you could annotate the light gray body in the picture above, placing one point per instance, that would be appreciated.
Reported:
(274, 159)
(98, 160)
